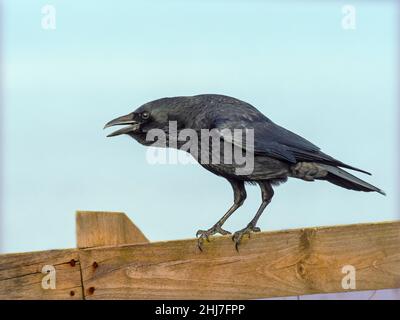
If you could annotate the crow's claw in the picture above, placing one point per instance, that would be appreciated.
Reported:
(205, 234)
(238, 235)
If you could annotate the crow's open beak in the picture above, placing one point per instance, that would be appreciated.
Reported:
(129, 120)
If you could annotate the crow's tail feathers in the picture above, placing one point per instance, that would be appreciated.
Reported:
(346, 180)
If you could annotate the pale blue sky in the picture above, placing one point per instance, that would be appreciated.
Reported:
(292, 60)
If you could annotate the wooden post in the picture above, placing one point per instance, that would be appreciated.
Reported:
(97, 229)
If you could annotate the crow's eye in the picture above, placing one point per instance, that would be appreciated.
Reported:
(145, 115)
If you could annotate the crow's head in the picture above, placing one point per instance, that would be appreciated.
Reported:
(152, 115)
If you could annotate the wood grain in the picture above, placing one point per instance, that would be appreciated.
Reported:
(21, 275)
(96, 228)
(271, 264)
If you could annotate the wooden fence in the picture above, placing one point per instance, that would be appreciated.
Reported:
(114, 260)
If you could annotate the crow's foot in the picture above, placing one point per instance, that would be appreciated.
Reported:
(205, 234)
(238, 235)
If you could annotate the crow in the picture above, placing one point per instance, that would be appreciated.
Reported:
(274, 152)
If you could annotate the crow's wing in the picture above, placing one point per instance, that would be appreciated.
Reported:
(275, 141)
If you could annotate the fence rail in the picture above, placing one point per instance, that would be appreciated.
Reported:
(114, 260)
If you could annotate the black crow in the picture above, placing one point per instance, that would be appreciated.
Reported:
(275, 153)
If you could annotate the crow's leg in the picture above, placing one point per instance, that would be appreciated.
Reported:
(267, 193)
(239, 193)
